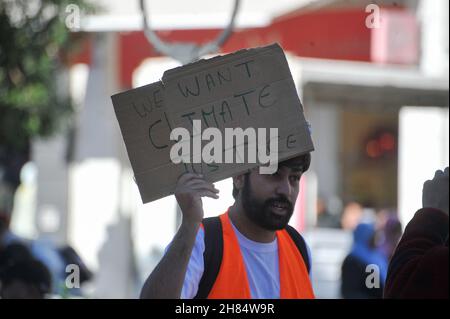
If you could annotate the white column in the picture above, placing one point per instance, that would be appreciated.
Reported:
(51, 211)
(50, 157)
(325, 125)
(99, 222)
(423, 149)
(434, 19)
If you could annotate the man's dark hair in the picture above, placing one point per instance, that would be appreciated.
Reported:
(301, 162)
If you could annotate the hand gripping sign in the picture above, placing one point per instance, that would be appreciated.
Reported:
(218, 117)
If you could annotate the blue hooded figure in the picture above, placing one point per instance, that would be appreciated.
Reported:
(354, 267)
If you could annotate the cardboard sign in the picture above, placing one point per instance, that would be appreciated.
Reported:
(248, 89)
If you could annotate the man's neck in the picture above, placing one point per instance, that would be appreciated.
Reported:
(248, 228)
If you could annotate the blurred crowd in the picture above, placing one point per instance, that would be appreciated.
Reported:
(376, 233)
(35, 269)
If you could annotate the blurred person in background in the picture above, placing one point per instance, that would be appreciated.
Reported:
(44, 254)
(324, 218)
(355, 269)
(21, 275)
(389, 232)
(420, 265)
(351, 216)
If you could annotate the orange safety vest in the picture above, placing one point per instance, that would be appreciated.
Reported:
(232, 282)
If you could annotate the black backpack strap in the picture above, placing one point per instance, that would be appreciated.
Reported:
(301, 245)
(212, 256)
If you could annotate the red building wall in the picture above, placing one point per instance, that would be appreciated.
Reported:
(327, 34)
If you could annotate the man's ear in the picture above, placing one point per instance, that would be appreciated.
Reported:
(238, 181)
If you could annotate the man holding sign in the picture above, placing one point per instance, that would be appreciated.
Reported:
(205, 122)
(250, 251)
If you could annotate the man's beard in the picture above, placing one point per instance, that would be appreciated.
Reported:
(261, 213)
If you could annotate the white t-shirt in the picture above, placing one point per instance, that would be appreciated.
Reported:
(261, 263)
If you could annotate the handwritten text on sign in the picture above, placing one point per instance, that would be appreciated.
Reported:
(250, 89)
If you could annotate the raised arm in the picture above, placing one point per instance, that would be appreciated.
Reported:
(166, 280)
